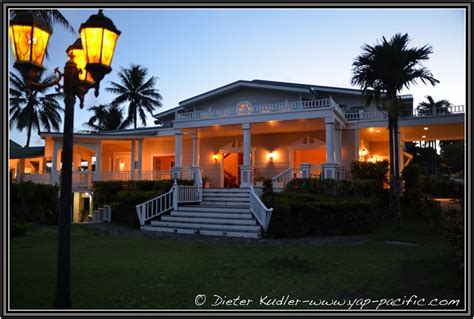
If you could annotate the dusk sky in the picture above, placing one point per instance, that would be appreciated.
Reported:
(193, 51)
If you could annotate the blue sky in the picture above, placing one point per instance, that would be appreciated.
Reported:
(193, 51)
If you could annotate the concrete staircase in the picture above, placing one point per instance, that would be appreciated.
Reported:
(222, 212)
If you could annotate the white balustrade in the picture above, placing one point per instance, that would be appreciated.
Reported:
(280, 180)
(156, 206)
(261, 213)
(44, 178)
(256, 109)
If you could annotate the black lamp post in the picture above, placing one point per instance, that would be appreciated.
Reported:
(89, 60)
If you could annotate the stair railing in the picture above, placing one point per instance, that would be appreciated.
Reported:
(280, 180)
(261, 213)
(170, 200)
(157, 206)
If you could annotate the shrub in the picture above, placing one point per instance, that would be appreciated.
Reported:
(34, 203)
(299, 215)
(441, 187)
(367, 170)
(411, 176)
(123, 196)
(455, 233)
(123, 207)
(267, 187)
(332, 187)
(105, 192)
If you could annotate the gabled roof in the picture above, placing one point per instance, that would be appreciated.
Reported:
(263, 84)
(14, 144)
(26, 152)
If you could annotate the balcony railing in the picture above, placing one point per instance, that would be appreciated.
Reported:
(255, 109)
(377, 115)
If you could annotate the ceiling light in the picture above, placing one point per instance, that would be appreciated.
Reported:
(425, 128)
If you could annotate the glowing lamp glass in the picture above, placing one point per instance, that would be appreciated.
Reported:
(79, 58)
(99, 44)
(29, 41)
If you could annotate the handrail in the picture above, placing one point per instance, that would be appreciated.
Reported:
(280, 180)
(259, 210)
(156, 206)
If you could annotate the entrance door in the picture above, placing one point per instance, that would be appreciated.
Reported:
(232, 162)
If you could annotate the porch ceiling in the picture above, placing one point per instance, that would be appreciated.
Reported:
(416, 132)
(303, 125)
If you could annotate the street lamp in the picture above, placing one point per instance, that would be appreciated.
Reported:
(83, 70)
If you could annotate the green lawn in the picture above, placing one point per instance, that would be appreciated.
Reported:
(154, 273)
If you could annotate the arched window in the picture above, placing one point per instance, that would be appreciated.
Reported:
(244, 107)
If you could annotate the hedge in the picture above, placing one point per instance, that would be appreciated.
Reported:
(441, 187)
(300, 215)
(32, 203)
(123, 196)
(335, 188)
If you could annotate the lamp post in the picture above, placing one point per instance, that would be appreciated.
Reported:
(89, 60)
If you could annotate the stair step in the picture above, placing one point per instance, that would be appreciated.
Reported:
(225, 199)
(212, 215)
(222, 194)
(203, 220)
(201, 232)
(214, 208)
(225, 203)
(221, 227)
(225, 190)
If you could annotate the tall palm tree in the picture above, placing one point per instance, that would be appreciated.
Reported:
(382, 71)
(431, 106)
(139, 92)
(50, 18)
(105, 118)
(33, 109)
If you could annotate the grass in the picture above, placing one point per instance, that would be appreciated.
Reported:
(112, 272)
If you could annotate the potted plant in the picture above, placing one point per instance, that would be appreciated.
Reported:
(206, 182)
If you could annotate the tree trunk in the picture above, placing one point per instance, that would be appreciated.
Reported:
(396, 148)
(392, 170)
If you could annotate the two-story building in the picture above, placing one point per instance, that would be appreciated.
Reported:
(245, 130)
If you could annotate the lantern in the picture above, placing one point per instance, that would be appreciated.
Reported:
(77, 54)
(29, 37)
(99, 36)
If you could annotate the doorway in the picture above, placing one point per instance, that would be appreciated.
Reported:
(231, 164)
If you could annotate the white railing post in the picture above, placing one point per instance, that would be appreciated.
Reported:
(175, 190)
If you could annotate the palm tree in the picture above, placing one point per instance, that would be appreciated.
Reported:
(33, 108)
(50, 18)
(105, 118)
(138, 92)
(382, 71)
(434, 107)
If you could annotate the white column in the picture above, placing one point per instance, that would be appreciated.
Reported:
(246, 170)
(330, 167)
(247, 143)
(54, 163)
(98, 159)
(356, 144)
(177, 155)
(338, 145)
(132, 160)
(329, 141)
(195, 150)
(140, 155)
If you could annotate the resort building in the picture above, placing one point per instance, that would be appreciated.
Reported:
(238, 133)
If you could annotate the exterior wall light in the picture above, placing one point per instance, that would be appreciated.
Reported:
(272, 155)
(215, 157)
